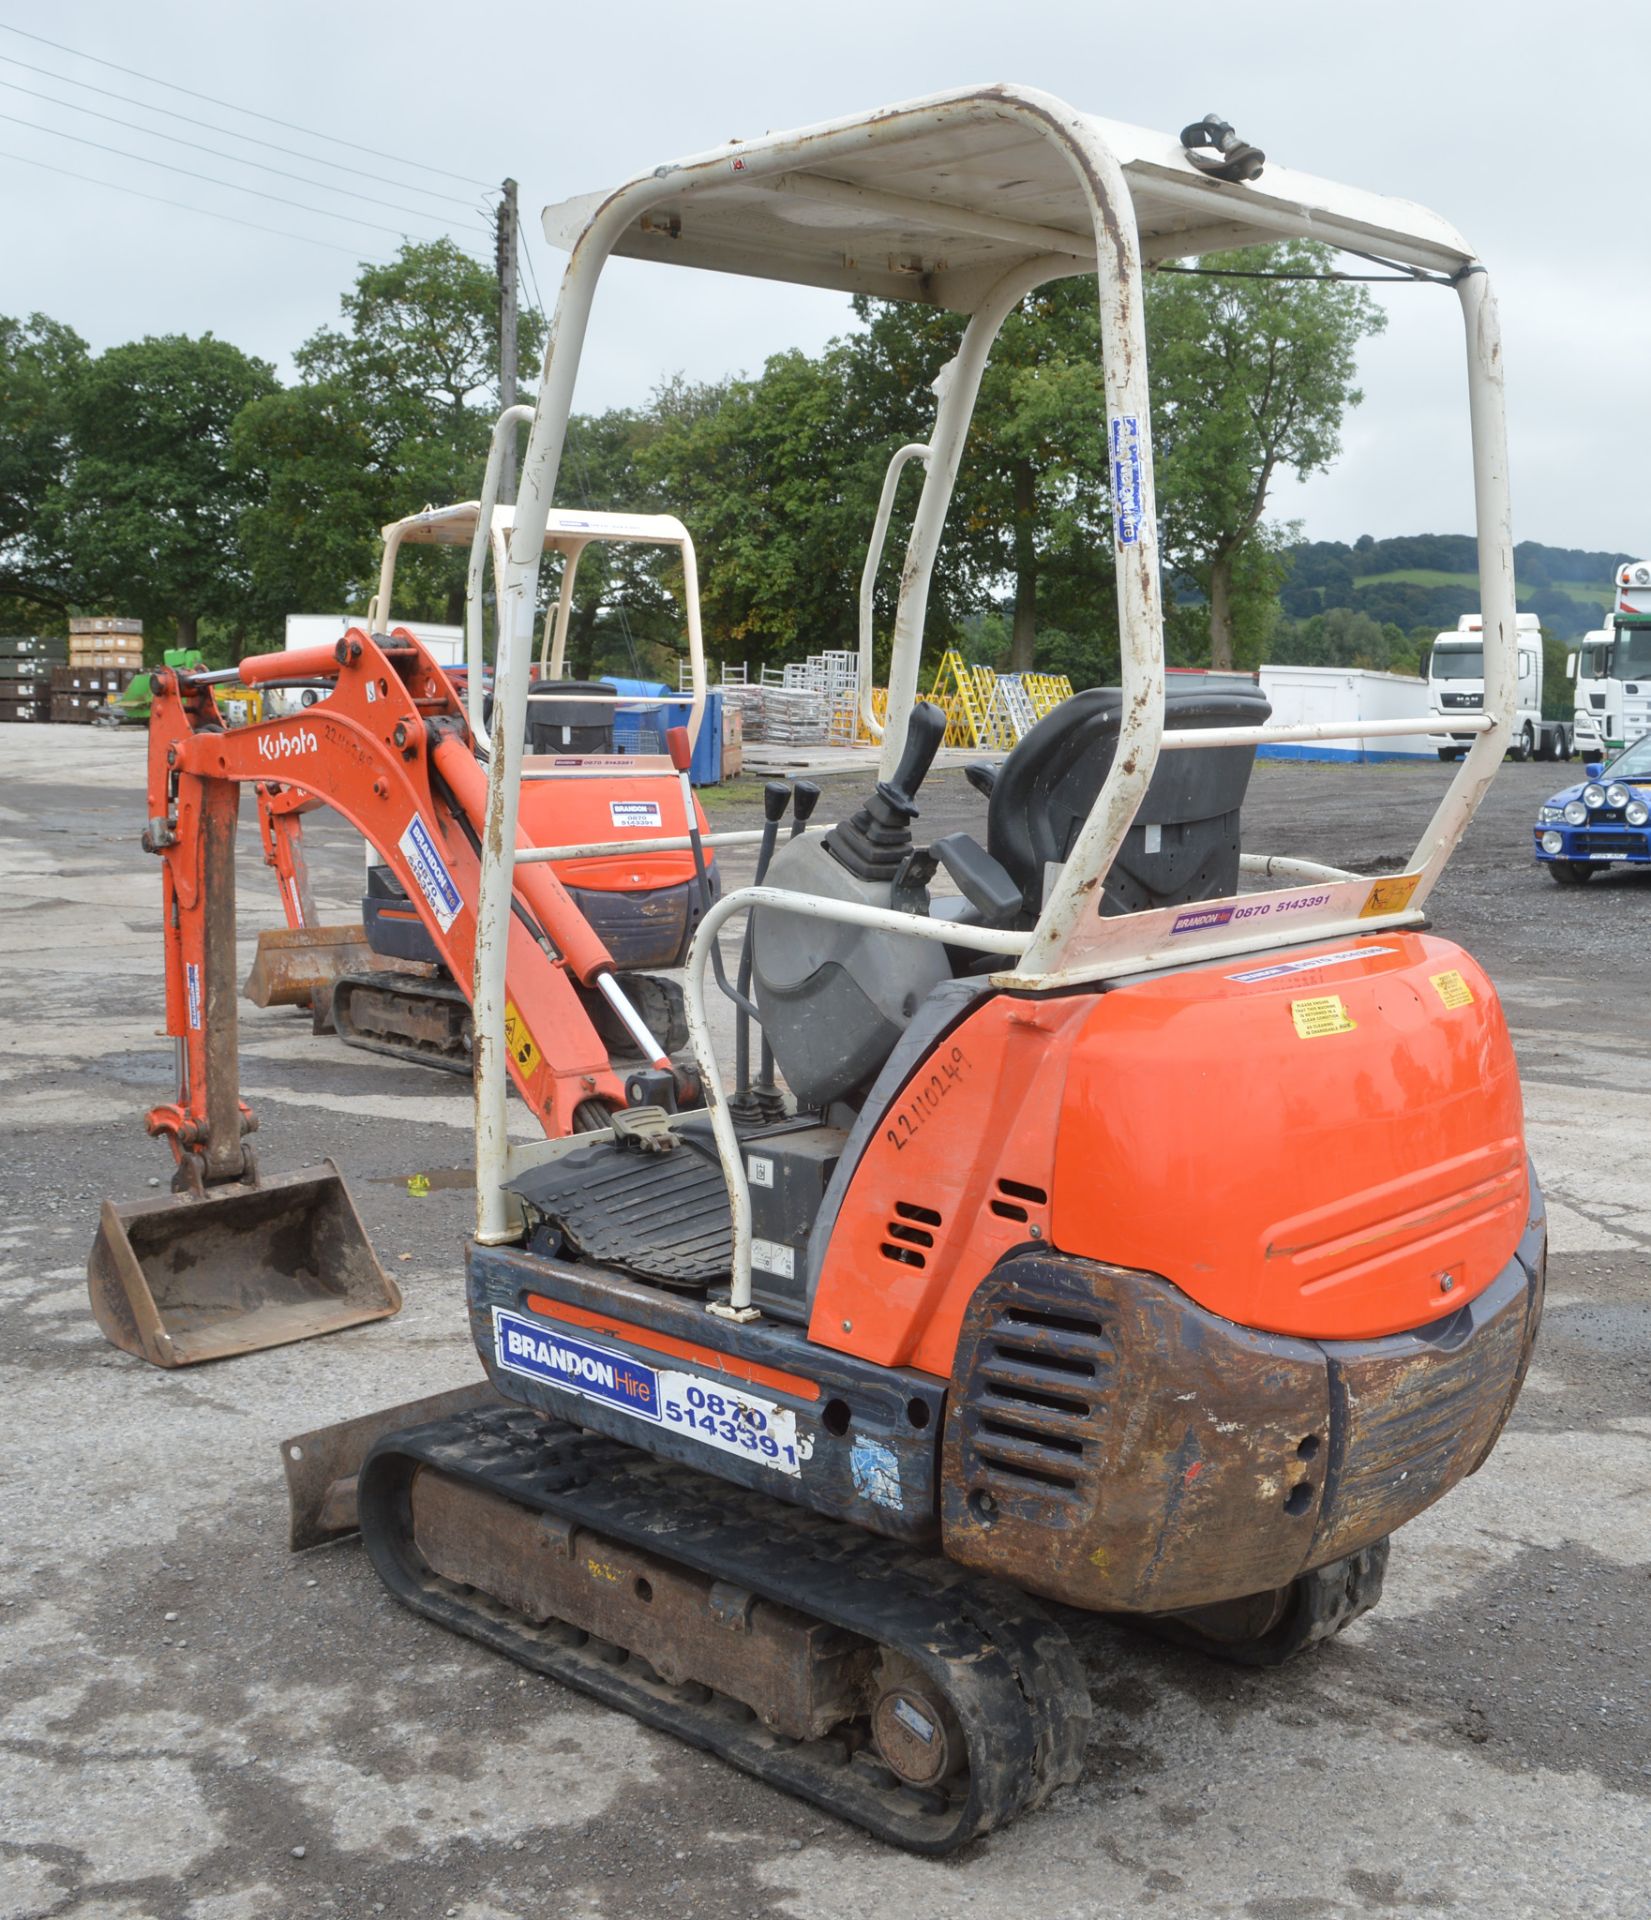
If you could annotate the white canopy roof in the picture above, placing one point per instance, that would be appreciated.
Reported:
(938, 198)
(566, 527)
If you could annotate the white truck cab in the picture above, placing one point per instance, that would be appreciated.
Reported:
(1612, 668)
(1456, 685)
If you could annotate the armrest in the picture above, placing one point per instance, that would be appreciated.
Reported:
(984, 882)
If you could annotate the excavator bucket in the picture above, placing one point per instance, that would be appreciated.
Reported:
(180, 1279)
(296, 967)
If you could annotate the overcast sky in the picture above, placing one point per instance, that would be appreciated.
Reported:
(1514, 121)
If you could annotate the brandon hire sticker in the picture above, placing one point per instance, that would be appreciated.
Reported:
(1282, 967)
(430, 871)
(1126, 477)
(634, 813)
(727, 1418)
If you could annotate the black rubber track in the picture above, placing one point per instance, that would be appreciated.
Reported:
(1004, 1667)
(412, 989)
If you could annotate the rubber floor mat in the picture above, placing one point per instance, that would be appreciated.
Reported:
(662, 1216)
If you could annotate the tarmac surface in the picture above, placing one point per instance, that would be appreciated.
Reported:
(197, 1725)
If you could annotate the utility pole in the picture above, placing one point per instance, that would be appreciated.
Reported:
(505, 261)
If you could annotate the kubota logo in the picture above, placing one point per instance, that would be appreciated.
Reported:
(282, 746)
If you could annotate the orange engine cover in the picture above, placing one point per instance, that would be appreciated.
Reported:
(572, 809)
(1327, 1143)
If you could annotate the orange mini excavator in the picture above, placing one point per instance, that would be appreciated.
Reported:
(1149, 1229)
(230, 1261)
(382, 983)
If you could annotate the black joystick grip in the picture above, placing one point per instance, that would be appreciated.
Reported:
(924, 732)
(876, 839)
(776, 797)
(807, 799)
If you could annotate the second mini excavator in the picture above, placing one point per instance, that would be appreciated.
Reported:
(382, 984)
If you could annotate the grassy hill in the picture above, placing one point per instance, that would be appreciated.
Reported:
(1422, 580)
(1585, 595)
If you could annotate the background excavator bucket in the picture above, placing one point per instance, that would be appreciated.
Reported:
(295, 966)
(177, 1280)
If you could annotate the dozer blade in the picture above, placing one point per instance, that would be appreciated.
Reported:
(293, 964)
(177, 1280)
(322, 1465)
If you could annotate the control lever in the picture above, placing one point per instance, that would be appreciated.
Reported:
(776, 797)
(682, 754)
(873, 843)
(924, 732)
(766, 1096)
(805, 798)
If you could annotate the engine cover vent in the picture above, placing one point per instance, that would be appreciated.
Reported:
(1039, 1391)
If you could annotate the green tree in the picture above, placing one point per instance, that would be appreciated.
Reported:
(1029, 517)
(148, 518)
(1251, 378)
(393, 414)
(40, 361)
(769, 480)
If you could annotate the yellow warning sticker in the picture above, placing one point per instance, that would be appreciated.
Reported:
(1452, 989)
(1390, 896)
(517, 1038)
(1321, 1015)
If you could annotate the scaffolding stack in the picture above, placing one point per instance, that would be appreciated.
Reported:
(816, 702)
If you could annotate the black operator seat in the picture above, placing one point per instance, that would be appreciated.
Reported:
(1184, 843)
(1182, 847)
(568, 724)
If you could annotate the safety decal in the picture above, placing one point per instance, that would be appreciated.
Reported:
(719, 1416)
(1321, 1015)
(192, 980)
(634, 813)
(1306, 966)
(430, 871)
(1452, 989)
(519, 1040)
(876, 1473)
(774, 1256)
(1390, 896)
(1126, 477)
(759, 1170)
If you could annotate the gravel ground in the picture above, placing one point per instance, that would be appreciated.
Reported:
(197, 1726)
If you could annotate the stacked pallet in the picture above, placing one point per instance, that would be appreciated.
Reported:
(105, 642)
(105, 657)
(80, 694)
(26, 662)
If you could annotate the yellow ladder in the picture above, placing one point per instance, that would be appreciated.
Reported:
(956, 693)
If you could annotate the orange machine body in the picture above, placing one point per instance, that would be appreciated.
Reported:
(1325, 1143)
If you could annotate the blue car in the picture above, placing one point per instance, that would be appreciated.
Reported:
(1600, 822)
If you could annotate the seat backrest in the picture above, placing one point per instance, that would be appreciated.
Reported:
(566, 725)
(1184, 843)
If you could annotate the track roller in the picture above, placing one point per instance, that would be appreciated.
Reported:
(923, 1704)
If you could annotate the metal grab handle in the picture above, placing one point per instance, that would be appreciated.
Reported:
(868, 578)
